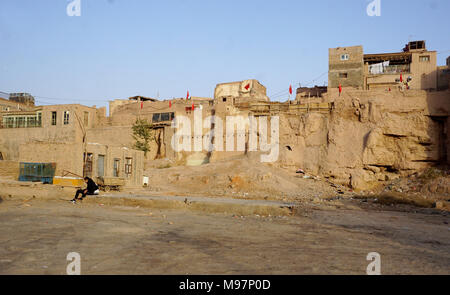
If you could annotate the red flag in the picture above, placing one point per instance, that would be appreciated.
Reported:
(401, 77)
(192, 106)
(340, 88)
(247, 86)
(170, 103)
(290, 89)
(187, 96)
(142, 105)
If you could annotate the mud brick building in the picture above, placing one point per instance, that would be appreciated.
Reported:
(374, 130)
(350, 67)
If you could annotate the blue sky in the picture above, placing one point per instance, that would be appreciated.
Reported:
(121, 48)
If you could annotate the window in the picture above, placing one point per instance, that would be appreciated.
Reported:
(345, 56)
(39, 119)
(20, 122)
(8, 122)
(116, 167)
(224, 99)
(424, 58)
(101, 165)
(66, 117)
(128, 166)
(342, 75)
(31, 121)
(162, 117)
(165, 117)
(54, 116)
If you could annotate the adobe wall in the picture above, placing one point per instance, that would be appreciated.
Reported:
(12, 138)
(67, 156)
(9, 169)
(250, 89)
(121, 153)
(353, 67)
(369, 135)
(424, 73)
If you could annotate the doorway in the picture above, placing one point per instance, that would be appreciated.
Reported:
(87, 169)
(441, 123)
(101, 166)
(116, 167)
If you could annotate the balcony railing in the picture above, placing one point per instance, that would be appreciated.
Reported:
(391, 69)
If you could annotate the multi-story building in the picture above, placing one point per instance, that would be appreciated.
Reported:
(415, 67)
(61, 134)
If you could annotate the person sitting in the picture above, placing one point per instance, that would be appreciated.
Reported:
(91, 189)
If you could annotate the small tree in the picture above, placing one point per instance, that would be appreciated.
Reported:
(143, 135)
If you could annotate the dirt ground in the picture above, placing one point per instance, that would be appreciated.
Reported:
(238, 178)
(246, 178)
(36, 236)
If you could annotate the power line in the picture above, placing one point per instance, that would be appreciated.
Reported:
(440, 52)
(285, 92)
(64, 99)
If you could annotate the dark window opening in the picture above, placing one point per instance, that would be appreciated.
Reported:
(288, 147)
(224, 99)
(162, 117)
(128, 166)
(66, 117)
(343, 75)
(54, 116)
(345, 56)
